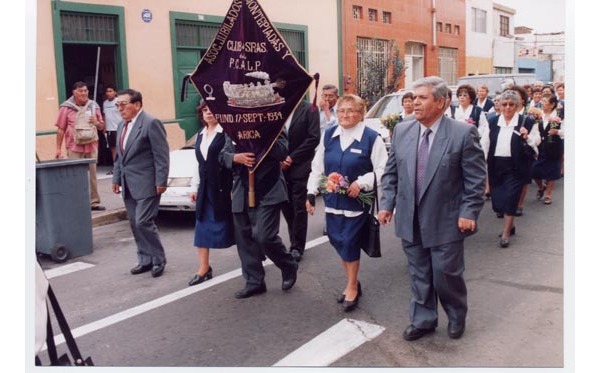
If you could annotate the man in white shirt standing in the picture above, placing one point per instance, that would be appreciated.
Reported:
(111, 119)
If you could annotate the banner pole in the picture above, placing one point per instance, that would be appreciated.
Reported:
(251, 200)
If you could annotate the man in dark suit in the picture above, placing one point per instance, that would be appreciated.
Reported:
(435, 179)
(257, 228)
(140, 173)
(304, 134)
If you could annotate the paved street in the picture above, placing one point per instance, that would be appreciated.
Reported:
(515, 317)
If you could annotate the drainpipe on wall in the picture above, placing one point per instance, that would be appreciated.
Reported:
(434, 21)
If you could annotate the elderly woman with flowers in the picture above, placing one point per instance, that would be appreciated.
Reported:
(548, 165)
(349, 158)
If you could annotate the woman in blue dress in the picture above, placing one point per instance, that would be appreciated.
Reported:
(214, 221)
(356, 151)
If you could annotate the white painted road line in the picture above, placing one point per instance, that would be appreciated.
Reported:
(148, 306)
(332, 344)
(66, 269)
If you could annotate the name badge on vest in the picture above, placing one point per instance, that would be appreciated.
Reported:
(357, 151)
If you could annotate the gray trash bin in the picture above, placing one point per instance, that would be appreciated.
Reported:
(63, 217)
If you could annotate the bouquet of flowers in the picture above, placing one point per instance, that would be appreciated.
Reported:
(336, 183)
(390, 121)
(535, 113)
(554, 122)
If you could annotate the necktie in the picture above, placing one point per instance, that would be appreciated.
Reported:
(123, 133)
(422, 156)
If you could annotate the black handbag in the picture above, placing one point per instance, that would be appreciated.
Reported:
(371, 243)
(64, 359)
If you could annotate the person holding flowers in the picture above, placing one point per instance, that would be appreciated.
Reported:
(548, 165)
(349, 157)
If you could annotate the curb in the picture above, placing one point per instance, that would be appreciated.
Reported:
(109, 217)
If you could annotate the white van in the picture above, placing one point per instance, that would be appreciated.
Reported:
(497, 82)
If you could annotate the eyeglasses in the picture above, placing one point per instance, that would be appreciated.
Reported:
(122, 103)
(508, 104)
(347, 111)
(328, 95)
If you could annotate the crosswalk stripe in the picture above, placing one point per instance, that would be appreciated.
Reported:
(66, 269)
(145, 307)
(332, 344)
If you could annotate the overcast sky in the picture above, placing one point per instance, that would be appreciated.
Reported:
(540, 15)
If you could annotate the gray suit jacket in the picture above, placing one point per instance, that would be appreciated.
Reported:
(453, 187)
(144, 164)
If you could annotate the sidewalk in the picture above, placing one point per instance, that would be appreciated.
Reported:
(115, 209)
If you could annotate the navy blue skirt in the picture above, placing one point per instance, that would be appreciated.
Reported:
(506, 187)
(345, 234)
(213, 233)
(547, 169)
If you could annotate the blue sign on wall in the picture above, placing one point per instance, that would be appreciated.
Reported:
(146, 15)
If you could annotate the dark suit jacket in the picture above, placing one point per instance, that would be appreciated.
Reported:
(304, 134)
(522, 166)
(144, 164)
(215, 180)
(269, 184)
(453, 187)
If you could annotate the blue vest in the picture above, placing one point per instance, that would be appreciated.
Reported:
(352, 162)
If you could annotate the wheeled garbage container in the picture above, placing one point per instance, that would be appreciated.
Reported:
(63, 217)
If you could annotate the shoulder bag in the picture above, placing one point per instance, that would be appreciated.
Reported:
(371, 243)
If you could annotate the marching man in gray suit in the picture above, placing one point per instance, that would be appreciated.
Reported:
(435, 179)
(140, 172)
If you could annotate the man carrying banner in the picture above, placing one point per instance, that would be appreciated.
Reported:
(257, 228)
(251, 82)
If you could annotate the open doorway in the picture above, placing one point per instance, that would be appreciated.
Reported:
(95, 65)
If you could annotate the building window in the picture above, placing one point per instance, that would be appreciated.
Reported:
(479, 20)
(448, 64)
(373, 15)
(448, 29)
(503, 70)
(504, 30)
(357, 12)
(387, 17)
(373, 72)
(456, 30)
(438, 27)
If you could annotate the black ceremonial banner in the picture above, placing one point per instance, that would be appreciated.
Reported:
(250, 79)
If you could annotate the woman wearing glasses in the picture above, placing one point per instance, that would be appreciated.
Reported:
(353, 150)
(509, 161)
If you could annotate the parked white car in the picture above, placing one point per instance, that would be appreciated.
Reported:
(182, 165)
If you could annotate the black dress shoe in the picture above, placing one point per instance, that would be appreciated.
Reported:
(288, 277)
(350, 305)
(249, 291)
(456, 330)
(200, 279)
(504, 243)
(158, 270)
(296, 254)
(412, 333)
(342, 297)
(140, 269)
(513, 231)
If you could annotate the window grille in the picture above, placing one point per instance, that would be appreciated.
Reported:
(88, 28)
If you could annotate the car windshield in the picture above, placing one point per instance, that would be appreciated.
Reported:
(387, 105)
